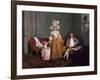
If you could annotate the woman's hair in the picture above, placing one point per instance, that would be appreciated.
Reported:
(68, 34)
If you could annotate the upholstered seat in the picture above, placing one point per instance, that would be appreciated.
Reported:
(33, 46)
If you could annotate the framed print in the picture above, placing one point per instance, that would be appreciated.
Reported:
(53, 39)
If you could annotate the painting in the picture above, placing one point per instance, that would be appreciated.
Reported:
(53, 39)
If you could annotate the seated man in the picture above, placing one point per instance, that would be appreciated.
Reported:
(72, 45)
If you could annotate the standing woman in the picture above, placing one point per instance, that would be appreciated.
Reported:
(56, 41)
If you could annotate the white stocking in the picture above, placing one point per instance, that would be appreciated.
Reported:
(66, 54)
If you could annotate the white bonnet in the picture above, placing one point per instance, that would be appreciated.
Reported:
(55, 25)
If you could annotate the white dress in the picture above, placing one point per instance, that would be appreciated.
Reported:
(45, 53)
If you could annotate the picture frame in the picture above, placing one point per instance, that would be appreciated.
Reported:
(17, 44)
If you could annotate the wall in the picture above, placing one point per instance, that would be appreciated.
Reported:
(38, 24)
(5, 40)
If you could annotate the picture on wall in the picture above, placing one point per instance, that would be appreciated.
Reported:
(53, 39)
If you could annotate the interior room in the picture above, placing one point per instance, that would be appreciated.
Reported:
(37, 24)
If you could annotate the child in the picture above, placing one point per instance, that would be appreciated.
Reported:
(45, 52)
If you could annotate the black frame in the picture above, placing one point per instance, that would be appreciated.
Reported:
(14, 39)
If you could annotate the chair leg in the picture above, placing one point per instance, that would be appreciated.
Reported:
(31, 52)
(37, 52)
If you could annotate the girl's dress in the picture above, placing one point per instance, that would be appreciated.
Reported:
(45, 53)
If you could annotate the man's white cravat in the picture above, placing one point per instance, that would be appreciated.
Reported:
(71, 44)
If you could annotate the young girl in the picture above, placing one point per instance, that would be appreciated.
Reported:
(45, 52)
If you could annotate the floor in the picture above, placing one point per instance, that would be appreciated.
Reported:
(80, 58)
